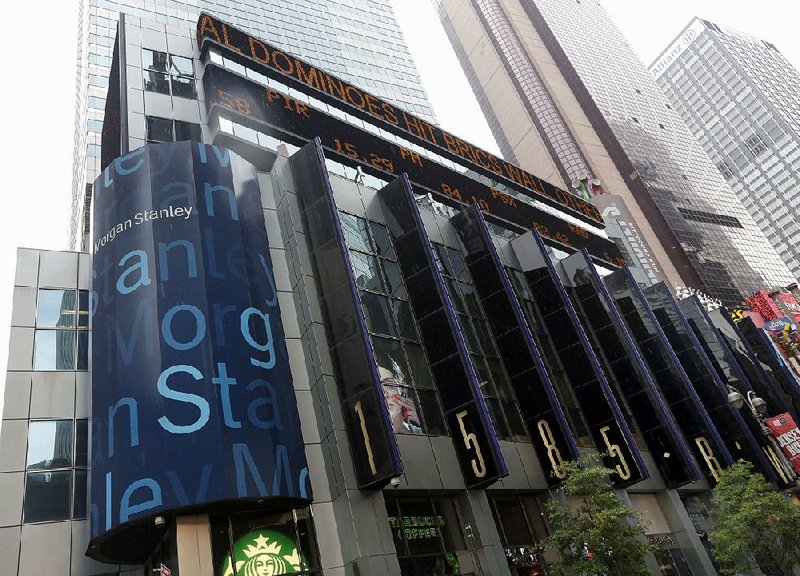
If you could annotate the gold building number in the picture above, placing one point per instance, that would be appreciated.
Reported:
(367, 445)
(553, 453)
(623, 470)
(471, 442)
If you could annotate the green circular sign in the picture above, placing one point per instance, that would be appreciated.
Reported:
(264, 553)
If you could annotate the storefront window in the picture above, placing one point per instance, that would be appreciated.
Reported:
(427, 537)
(254, 543)
(520, 523)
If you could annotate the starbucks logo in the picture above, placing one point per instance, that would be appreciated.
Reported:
(264, 553)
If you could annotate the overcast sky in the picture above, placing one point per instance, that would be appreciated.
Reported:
(39, 80)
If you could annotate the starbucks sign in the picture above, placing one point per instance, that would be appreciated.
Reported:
(264, 553)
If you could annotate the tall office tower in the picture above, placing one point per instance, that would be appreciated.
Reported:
(358, 40)
(565, 94)
(735, 93)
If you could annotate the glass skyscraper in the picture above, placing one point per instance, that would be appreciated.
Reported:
(358, 40)
(736, 94)
(564, 93)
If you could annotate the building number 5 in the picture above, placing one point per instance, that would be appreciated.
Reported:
(471, 441)
(623, 470)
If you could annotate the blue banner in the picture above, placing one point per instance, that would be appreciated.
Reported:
(193, 402)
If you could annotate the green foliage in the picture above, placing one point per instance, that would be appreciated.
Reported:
(753, 523)
(600, 536)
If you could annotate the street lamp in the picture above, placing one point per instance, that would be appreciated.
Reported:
(758, 408)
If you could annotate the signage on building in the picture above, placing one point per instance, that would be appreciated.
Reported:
(298, 73)
(268, 110)
(677, 48)
(192, 398)
(264, 552)
(787, 434)
(782, 324)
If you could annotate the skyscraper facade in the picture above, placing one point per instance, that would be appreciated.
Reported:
(555, 97)
(358, 40)
(735, 93)
(329, 337)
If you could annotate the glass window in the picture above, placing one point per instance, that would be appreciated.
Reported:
(183, 87)
(159, 129)
(365, 270)
(64, 310)
(393, 330)
(187, 131)
(520, 523)
(355, 232)
(56, 308)
(47, 496)
(427, 536)
(181, 65)
(49, 444)
(378, 314)
(80, 494)
(154, 60)
(156, 82)
(53, 490)
(54, 350)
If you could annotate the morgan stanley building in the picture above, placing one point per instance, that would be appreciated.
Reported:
(322, 335)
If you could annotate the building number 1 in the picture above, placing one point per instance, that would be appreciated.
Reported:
(471, 441)
(367, 445)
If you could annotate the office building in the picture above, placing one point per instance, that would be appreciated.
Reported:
(734, 93)
(359, 40)
(330, 337)
(560, 105)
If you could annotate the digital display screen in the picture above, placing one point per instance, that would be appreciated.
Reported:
(267, 110)
(297, 73)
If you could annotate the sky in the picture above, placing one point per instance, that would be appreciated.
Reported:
(39, 80)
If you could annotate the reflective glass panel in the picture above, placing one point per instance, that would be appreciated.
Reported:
(49, 444)
(378, 314)
(365, 270)
(156, 82)
(154, 60)
(181, 65)
(159, 129)
(183, 87)
(80, 494)
(355, 232)
(47, 496)
(54, 350)
(55, 308)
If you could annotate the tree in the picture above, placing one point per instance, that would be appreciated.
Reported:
(598, 534)
(753, 523)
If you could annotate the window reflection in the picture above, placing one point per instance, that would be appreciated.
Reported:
(57, 464)
(401, 360)
(57, 345)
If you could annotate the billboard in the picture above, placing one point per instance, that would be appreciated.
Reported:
(192, 397)
(787, 434)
